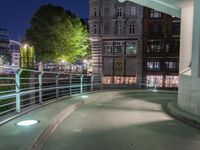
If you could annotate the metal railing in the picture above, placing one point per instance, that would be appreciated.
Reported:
(24, 88)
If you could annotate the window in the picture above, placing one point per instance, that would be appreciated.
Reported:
(133, 11)
(155, 46)
(131, 29)
(108, 66)
(107, 80)
(154, 80)
(153, 65)
(155, 14)
(156, 29)
(95, 12)
(108, 48)
(119, 12)
(119, 67)
(118, 80)
(119, 28)
(131, 48)
(171, 81)
(172, 65)
(119, 47)
(176, 27)
(107, 28)
(130, 80)
(95, 29)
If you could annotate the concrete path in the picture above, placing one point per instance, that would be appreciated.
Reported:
(130, 121)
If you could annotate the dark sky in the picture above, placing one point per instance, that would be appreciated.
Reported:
(15, 14)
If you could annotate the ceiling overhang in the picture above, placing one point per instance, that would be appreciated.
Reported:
(170, 7)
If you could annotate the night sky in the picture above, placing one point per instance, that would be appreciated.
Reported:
(15, 14)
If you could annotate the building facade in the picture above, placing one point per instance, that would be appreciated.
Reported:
(116, 40)
(5, 54)
(15, 53)
(161, 46)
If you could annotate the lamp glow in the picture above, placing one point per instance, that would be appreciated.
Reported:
(84, 96)
(27, 123)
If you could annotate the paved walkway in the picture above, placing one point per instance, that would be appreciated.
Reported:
(130, 121)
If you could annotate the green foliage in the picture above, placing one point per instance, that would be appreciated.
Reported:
(27, 57)
(57, 35)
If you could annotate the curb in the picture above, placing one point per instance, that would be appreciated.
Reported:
(57, 120)
(183, 116)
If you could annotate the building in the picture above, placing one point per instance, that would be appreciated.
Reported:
(15, 53)
(4, 47)
(161, 46)
(116, 40)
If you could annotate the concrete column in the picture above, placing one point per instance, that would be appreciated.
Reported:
(196, 40)
(186, 36)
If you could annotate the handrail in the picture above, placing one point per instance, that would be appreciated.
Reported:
(26, 87)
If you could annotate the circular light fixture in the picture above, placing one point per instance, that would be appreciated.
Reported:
(84, 96)
(27, 123)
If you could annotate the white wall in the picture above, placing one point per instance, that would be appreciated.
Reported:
(186, 36)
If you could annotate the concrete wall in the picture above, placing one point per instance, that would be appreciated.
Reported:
(189, 94)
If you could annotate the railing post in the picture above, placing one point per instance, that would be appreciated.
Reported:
(70, 85)
(81, 84)
(17, 87)
(57, 84)
(40, 86)
(101, 82)
(92, 82)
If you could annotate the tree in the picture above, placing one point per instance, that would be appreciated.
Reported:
(57, 35)
(27, 57)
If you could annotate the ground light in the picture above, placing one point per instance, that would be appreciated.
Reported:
(84, 96)
(27, 123)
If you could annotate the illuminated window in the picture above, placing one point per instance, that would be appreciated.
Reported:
(155, 46)
(153, 65)
(107, 80)
(130, 80)
(118, 80)
(172, 65)
(131, 48)
(172, 81)
(153, 81)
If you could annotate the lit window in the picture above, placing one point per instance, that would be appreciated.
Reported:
(118, 80)
(107, 80)
(172, 81)
(153, 65)
(155, 46)
(131, 48)
(130, 80)
(153, 81)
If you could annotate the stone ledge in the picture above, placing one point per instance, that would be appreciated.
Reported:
(186, 117)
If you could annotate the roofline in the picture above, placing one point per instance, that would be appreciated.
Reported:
(159, 6)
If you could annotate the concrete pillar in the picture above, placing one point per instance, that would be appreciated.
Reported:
(186, 36)
(196, 40)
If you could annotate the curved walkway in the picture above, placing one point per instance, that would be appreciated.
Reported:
(129, 121)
